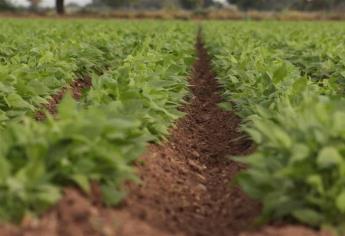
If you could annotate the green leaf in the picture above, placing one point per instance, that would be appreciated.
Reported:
(16, 101)
(255, 135)
(111, 195)
(308, 216)
(280, 73)
(48, 194)
(3, 116)
(316, 181)
(329, 156)
(226, 106)
(5, 169)
(340, 202)
(68, 106)
(82, 181)
(299, 152)
(282, 137)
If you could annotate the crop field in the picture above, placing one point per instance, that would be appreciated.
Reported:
(161, 128)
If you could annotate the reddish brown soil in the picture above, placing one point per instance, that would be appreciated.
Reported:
(76, 88)
(186, 183)
(287, 230)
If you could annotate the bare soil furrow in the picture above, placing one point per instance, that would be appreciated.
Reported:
(76, 88)
(186, 180)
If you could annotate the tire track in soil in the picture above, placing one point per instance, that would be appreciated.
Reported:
(186, 181)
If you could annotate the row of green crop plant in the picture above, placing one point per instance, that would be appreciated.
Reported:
(97, 138)
(267, 71)
(38, 58)
(319, 54)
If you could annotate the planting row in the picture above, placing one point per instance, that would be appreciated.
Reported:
(287, 83)
(37, 58)
(138, 73)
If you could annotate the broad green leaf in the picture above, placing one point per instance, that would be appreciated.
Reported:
(48, 194)
(329, 156)
(299, 152)
(340, 202)
(308, 216)
(82, 181)
(16, 101)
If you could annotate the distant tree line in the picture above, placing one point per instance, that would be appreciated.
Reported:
(5, 5)
(152, 4)
(302, 5)
(138, 4)
(265, 5)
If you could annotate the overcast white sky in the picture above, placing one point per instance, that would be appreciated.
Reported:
(51, 3)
